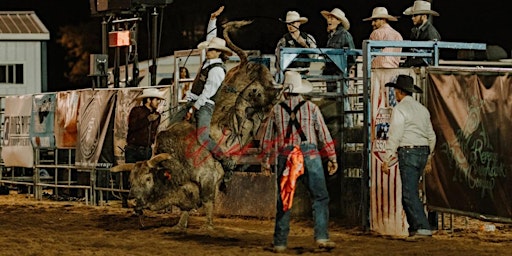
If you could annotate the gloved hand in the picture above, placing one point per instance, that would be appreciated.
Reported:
(332, 167)
(189, 114)
(428, 167)
(215, 14)
(385, 167)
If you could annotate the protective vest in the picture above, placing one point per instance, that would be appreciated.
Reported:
(293, 121)
(291, 42)
(200, 80)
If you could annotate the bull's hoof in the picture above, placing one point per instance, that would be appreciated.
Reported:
(179, 229)
(208, 227)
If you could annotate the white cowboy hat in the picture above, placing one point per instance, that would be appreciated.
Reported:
(150, 93)
(217, 44)
(293, 83)
(381, 13)
(339, 14)
(293, 16)
(420, 7)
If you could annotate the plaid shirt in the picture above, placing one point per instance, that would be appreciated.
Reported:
(386, 32)
(311, 122)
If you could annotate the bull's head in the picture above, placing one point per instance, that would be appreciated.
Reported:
(142, 177)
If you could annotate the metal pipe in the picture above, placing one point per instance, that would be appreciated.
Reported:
(154, 37)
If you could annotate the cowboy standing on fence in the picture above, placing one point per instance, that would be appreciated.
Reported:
(294, 38)
(383, 31)
(423, 29)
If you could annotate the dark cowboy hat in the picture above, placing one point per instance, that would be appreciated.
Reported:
(405, 83)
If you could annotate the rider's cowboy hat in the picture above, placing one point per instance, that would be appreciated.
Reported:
(150, 93)
(293, 83)
(405, 83)
(420, 7)
(339, 14)
(381, 13)
(217, 44)
(293, 16)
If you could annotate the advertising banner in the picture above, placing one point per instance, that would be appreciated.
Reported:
(386, 211)
(42, 121)
(16, 146)
(472, 117)
(66, 118)
(95, 111)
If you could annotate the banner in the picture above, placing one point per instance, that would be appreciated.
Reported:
(95, 111)
(472, 117)
(386, 211)
(125, 102)
(16, 146)
(66, 118)
(41, 123)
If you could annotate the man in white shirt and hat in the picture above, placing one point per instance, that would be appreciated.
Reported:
(201, 97)
(383, 31)
(294, 38)
(411, 136)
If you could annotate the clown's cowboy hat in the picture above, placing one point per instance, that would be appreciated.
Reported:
(339, 14)
(217, 44)
(420, 7)
(293, 16)
(405, 83)
(293, 83)
(150, 93)
(381, 13)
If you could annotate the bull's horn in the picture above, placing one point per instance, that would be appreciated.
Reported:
(122, 168)
(157, 159)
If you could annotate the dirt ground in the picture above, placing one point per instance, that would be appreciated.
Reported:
(47, 227)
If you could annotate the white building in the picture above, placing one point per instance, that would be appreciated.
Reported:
(23, 53)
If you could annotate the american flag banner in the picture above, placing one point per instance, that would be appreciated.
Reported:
(386, 212)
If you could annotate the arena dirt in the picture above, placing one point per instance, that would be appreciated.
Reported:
(47, 227)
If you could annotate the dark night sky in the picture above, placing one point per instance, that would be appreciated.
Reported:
(460, 21)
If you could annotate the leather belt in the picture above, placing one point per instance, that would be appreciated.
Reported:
(417, 147)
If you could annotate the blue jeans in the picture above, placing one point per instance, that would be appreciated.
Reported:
(203, 118)
(412, 163)
(315, 180)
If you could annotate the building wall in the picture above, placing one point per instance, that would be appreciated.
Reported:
(27, 53)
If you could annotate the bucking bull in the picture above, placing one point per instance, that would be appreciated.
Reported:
(184, 174)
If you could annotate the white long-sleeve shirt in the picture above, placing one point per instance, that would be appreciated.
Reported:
(410, 126)
(213, 82)
(215, 75)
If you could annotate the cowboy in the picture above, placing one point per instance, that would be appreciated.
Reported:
(339, 37)
(201, 97)
(383, 31)
(294, 38)
(423, 29)
(411, 136)
(143, 122)
(298, 123)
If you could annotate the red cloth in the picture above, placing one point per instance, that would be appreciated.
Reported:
(294, 169)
